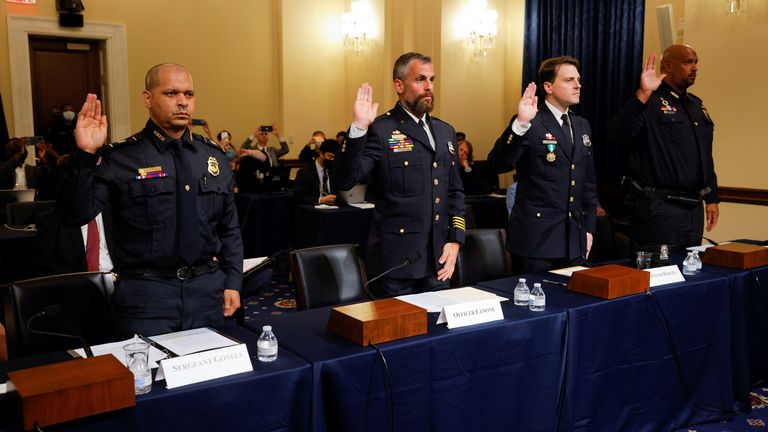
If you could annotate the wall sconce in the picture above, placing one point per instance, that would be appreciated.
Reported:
(356, 26)
(482, 28)
(736, 7)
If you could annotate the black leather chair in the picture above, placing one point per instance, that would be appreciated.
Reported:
(327, 276)
(483, 257)
(24, 213)
(74, 304)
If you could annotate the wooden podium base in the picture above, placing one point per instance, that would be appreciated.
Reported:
(378, 321)
(736, 255)
(610, 281)
(73, 389)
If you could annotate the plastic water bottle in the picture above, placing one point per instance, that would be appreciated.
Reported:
(689, 265)
(698, 261)
(267, 345)
(538, 300)
(522, 293)
(142, 377)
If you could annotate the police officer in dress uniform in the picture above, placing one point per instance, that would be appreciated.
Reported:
(413, 159)
(555, 209)
(177, 245)
(670, 171)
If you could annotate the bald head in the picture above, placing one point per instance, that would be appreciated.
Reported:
(153, 74)
(680, 63)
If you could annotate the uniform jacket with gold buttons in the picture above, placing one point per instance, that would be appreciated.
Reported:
(419, 197)
(556, 203)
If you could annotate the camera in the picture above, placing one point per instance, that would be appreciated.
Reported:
(265, 128)
(198, 122)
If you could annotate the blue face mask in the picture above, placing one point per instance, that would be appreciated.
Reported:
(231, 155)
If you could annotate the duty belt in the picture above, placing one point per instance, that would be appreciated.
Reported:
(680, 197)
(181, 273)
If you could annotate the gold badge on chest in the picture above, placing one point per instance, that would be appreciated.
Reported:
(213, 166)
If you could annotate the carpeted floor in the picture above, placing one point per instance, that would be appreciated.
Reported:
(279, 298)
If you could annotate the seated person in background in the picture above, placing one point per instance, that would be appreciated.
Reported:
(460, 137)
(261, 135)
(252, 174)
(224, 139)
(341, 136)
(469, 176)
(313, 182)
(310, 151)
(62, 249)
(16, 174)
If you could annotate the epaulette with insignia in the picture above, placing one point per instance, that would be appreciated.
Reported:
(131, 139)
(385, 115)
(208, 141)
(436, 119)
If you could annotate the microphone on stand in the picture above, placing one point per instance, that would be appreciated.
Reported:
(51, 311)
(413, 257)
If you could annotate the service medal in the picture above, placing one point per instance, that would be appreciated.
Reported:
(213, 166)
(551, 156)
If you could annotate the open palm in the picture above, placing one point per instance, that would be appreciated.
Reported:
(91, 128)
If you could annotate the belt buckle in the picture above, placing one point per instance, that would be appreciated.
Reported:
(184, 273)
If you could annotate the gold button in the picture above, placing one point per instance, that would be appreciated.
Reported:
(453, 163)
(186, 188)
(402, 230)
(434, 164)
(573, 182)
(437, 200)
(437, 217)
(437, 182)
(571, 199)
(538, 214)
(573, 166)
(405, 163)
(569, 214)
(696, 123)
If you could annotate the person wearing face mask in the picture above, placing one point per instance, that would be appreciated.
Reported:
(312, 148)
(60, 137)
(314, 183)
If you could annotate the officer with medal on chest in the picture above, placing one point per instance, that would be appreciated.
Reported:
(555, 210)
(419, 198)
(177, 247)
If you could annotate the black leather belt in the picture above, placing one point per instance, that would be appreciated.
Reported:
(181, 273)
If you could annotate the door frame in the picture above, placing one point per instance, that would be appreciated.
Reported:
(116, 65)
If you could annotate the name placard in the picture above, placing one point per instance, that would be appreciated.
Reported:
(204, 366)
(469, 313)
(665, 275)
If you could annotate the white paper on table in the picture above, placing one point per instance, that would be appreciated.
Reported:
(192, 341)
(434, 301)
(325, 207)
(364, 205)
(116, 349)
(568, 271)
(250, 263)
(703, 247)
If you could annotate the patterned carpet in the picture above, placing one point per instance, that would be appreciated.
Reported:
(755, 421)
(277, 299)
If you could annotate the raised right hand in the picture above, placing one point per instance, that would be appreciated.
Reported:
(649, 82)
(91, 128)
(364, 110)
(529, 105)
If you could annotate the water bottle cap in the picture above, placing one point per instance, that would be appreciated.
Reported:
(267, 328)
(522, 279)
(537, 285)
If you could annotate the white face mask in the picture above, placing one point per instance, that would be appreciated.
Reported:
(68, 115)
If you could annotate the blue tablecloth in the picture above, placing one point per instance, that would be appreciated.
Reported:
(480, 378)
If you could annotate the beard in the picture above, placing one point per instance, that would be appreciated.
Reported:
(419, 107)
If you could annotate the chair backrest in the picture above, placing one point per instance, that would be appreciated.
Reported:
(24, 213)
(483, 257)
(77, 304)
(327, 276)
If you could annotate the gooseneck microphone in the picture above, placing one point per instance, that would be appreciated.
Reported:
(51, 311)
(413, 257)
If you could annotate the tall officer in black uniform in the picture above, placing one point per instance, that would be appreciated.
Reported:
(413, 159)
(670, 170)
(555, 210)
(177, 245)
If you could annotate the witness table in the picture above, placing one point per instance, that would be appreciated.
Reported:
(319, 227)
(274, 397)
(266, 222)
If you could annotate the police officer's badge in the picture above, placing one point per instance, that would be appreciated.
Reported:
(213, 166)
(586, 141)
(450, 147)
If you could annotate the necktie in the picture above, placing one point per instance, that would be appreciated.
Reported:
(429, 133)
(188, 238)
(326, 189)
(567, 128)
(92, 247)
